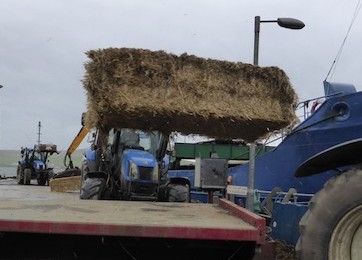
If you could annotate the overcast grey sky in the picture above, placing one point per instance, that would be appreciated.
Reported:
(43, 45)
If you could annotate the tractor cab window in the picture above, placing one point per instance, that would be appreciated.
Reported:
(145, 141)
(92, 136)
(130, 137)
(149, 141)
(111, 136)
(39, 156)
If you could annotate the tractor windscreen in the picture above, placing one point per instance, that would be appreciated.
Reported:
(149, 141)
(39, 156)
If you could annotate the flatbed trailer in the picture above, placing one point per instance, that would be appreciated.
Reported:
(74, 228)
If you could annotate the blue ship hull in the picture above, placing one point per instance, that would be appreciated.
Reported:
(337, 120)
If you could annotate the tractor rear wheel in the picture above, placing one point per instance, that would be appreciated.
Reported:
(332, 227)
(20, 175)
(92, 188)
(27, 176)
(178, 193)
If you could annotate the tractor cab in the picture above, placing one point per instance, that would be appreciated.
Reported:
(34, 164)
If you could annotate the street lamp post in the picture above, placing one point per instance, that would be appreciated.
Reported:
(289, 23)
(1, 86)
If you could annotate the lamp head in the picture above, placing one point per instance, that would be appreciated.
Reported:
(290, 23)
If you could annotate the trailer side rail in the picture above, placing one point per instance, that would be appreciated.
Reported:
(225, 221)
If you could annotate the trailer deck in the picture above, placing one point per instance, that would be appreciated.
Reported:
(127, 218)
(35, 210)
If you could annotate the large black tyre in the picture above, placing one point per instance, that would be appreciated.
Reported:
(87, 166)
(178, 193)
(42, 181)
(50, 176)
(20, 175)
(27, 176)
(332, 227)
(92, 188)
(84, 171)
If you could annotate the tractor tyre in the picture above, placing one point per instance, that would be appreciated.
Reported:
(27, 176)
(178, 193)
(332, 226)
(41, 181)
(92, 189)
(87, 166)
(84, 171)
(50, 176)
(20, 175)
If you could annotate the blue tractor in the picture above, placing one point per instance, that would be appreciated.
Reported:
(129, 164)
(34, 164)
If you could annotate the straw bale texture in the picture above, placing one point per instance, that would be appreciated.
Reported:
(65, 184)
(155, 90)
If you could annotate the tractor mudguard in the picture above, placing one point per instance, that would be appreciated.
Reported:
(180, 180)
(344, 154)
(98, 174)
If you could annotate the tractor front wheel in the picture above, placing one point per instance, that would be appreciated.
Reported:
(27, 176)
(20, 175)
(332, 227)
(178, 193)
(41, 181)
(92, 188)
(84, 170)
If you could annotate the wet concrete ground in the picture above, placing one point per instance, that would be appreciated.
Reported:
(9, 188)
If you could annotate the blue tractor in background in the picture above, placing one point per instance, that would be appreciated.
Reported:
(34, 164)
(129, 164)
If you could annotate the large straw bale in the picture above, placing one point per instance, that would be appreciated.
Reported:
(65, 184)
(155, 90)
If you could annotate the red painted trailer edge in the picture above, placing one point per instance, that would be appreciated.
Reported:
(253, 219)
(225, 221)
(49, 227)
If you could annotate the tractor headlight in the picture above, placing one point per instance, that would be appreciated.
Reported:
(155, 173)
(134, 171)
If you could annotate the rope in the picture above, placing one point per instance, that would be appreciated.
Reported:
(335, 61)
